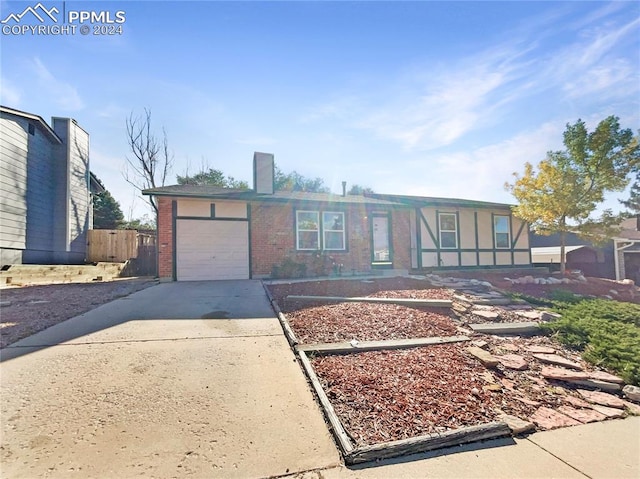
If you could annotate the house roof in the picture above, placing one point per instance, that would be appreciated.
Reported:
(551, 254)
(442, 202)
(43, 125)
(95, 185)
(207, 191)
(630, 228)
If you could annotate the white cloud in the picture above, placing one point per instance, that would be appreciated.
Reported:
(482, 172)
(63, 94)
(10, 95)
(433, 108)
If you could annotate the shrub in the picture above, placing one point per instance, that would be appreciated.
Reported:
(288, 268)
(608, 333)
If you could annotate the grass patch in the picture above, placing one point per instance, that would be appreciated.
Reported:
(607, 332)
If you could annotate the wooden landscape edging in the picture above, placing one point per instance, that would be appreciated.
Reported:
(430, 303)
(428, 442)
(338, 348)
(286, 327)
(336, 426)
(412, 445)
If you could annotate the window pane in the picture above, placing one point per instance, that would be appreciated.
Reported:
(333, 240)
(501, 224)
(448, 240)
(502, 240)
(448, 222)
(307, 220)
(333, 221)
(308, 240)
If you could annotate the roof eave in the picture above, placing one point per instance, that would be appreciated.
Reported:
(30, 116)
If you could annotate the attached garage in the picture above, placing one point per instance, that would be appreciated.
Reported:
(212, 249)
(210, 240)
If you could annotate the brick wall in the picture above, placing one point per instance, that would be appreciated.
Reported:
(273, 240)
(165, 238)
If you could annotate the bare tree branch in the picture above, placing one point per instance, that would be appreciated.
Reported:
(150, 162)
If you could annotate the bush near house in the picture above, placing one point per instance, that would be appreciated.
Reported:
(607, 332)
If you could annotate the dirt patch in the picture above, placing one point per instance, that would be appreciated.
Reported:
(30, 309)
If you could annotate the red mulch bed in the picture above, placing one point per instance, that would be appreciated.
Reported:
(387, 395)
(367, 322)
(354, 287)
(384, 396)
(330, 323)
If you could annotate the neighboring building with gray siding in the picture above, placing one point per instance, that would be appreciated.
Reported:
(45, 204)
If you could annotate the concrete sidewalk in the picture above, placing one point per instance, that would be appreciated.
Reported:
(197, 380)
(602, 450)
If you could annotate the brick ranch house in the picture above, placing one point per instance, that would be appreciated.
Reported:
(214, 233)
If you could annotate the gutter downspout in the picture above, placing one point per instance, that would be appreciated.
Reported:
(616, 257)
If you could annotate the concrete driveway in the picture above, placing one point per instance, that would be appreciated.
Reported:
(178, 380)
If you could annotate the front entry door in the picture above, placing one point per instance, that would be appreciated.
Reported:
(380, 241)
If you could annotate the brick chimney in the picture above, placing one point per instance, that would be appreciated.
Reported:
(263, 173)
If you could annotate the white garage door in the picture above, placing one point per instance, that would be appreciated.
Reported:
(212, 249)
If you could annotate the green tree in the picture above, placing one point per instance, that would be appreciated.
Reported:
(143, 223)
(359, 190)
(107, 214)
(294, 181)
(213, 177)
(633, 203)
(568, 186)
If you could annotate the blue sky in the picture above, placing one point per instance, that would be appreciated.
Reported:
(425, 98)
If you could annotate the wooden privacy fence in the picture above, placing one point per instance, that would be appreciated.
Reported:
(113, 246)
(119, 246)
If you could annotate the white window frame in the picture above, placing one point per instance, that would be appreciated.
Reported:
(299, 230)
(454, 231)
(326, 230)
(322, 230)
(496, 232)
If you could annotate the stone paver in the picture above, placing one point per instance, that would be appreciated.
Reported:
(562, 374)
(556, 360)
(582, 415)
(485, 357)
(513, 361)
(632, 392)
(541, 350)
(609, 412)
(606, 377)
(547, 418)
(604, 399)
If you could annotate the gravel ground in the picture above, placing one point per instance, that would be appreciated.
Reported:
(27, 310)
